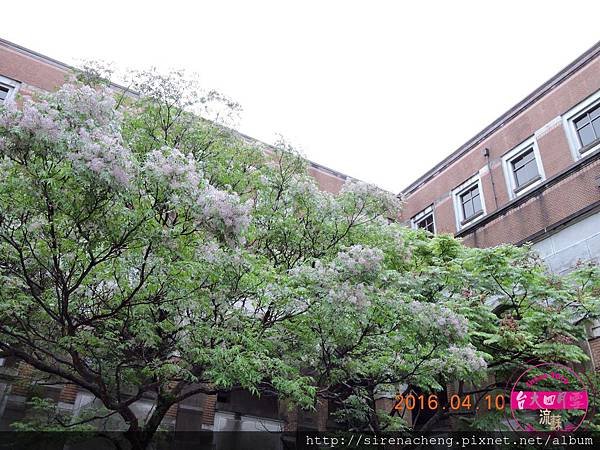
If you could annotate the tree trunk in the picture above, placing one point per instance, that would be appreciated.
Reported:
(140, 439)
(136, 440)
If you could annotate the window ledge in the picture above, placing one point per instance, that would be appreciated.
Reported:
(589, 147)
(538, 190)
(528, 184)
(471, 218)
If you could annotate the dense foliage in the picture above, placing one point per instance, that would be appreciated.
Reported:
(145, 251)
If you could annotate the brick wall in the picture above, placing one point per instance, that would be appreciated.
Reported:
(208, 410)
(327, 182)
(542, 118)
(30, 71)
(37, 72)
(595, 350)
(68, 393)
(559, 201)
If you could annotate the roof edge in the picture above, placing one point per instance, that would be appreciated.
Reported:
(54, 62)
(313, 164)
(577, 64)
(67, 67)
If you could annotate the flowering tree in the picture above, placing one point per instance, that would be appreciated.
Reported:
(148, 253)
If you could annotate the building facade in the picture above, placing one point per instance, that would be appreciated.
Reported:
(532, 176)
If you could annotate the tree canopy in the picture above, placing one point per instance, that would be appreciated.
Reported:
(145, 251)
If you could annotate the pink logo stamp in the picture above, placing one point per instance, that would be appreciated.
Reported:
(548, 397)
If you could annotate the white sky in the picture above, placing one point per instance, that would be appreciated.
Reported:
(379, 90)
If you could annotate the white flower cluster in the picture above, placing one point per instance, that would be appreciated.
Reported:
(369, 194)
(104, 155)
(354, 293)
(440, 318)
(223, 209)
(210, 252)
(34, 120)
(342, 281)
(94, 107)
(185, 185)
(472, 360)
(80, 123)
(457, 360)
(171, 168)
(359, 260)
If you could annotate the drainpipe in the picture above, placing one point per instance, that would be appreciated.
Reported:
(486, 153)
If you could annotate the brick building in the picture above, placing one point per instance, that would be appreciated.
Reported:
(25, 72)
(531, 176)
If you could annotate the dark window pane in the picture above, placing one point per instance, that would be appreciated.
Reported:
(588, 126)
(476, 204)
(526, 174)
(471, 202)
(523, 159)
(596, 125)
(468, 209)
(3, 93)
(581, 121)
(188, 420)
(586, 135)
(525, 168)
(426, 223)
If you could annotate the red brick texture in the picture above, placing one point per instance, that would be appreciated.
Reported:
(595, 350)
(542, 117)
(30, 71)
(326, 181)
(557, 202)
(172, 412)
(68, 394)
(554, 151)
(208, 411)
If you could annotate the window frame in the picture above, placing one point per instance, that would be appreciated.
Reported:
(457, 193)
(579, 151)
(421, 216)
(13, 87)
(514, 190)
(595, 329)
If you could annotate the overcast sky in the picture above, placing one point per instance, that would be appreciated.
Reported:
(379, 90)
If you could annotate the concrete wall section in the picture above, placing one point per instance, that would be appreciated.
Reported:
(577, 242)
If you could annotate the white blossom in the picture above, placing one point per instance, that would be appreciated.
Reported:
(181, 176)
(359, 259)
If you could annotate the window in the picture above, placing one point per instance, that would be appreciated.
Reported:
(8, 88)
(468, 202)
(595, 329)
(525, 168)
(426, 223)
(4, 91)
(424, 220)
(582, 125)
(588, 126)
(522, 168)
